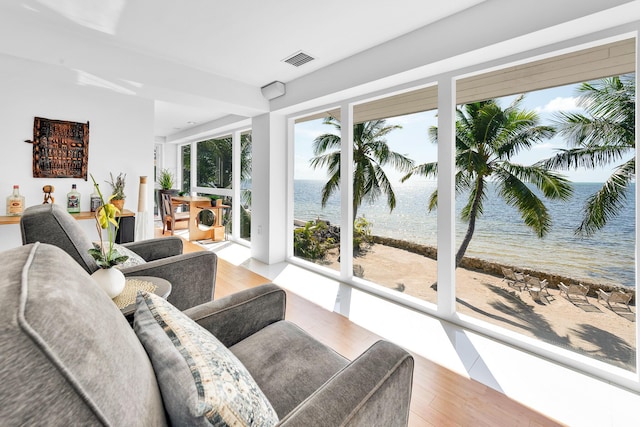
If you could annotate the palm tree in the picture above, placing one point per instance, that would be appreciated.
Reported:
(246, 143)
(487, 137)
(370, 154)
(606, 134)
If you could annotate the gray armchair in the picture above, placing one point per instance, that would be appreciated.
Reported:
(192, 275)
(69, 357)
(306, 382)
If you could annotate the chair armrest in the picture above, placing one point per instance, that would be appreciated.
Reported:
(192, 276)
(240, 315)
(153, 249)
(373, 390)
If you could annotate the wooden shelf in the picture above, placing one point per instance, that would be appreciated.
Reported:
(5, 220)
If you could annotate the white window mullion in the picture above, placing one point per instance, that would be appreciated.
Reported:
(346, 202)
(446, 197)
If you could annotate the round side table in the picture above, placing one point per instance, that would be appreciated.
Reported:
(162, 288)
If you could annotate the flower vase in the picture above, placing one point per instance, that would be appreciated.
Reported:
(111, 280)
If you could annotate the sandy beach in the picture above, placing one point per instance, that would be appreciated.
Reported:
(590, 328)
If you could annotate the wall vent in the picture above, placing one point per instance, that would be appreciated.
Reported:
(298, 59)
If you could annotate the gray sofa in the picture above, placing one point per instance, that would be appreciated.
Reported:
(69, 357)
(192, 275)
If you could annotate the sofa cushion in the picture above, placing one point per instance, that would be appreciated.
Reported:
(278, 358)
(52, 224)
(132, 260)
(67, 354)
(201, 381)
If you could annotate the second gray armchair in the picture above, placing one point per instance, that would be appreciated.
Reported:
(192, 275)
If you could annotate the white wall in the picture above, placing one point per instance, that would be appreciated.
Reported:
(121, 134)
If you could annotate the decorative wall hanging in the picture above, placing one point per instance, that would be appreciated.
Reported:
(60, 149)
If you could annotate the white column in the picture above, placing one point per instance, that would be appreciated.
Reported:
(446, 197)
(269, 188)
(343, 299)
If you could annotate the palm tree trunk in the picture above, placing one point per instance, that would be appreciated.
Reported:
(472, 222)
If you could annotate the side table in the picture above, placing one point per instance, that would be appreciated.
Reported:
(126, 301)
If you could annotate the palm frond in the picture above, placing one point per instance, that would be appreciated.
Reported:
(553, 185)
(532, 210)
(607, 203)
(427, 170)
(584, 157)
(324, 142)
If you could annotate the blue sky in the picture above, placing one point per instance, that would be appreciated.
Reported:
(412, 139)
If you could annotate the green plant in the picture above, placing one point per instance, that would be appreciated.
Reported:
(314, 239)
(306, 244)
(165, 179)
(361, 234)
(117, 186)
(106, 215)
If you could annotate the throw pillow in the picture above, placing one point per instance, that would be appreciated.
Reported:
(134, 258)
(201, 381)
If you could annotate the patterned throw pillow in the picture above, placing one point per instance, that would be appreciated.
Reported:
(201, 381)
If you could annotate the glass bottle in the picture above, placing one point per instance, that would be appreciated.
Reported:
(73, 200)
(15, 202)
(95, 200)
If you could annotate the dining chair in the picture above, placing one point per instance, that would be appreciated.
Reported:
(170, 215)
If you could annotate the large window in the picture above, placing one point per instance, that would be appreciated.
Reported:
(395, 230)
(214, 160)
(531, 207)
(245, 185)
(215, 174)
(316, 197)
(394, 178)
(185, 172)
(544, 188)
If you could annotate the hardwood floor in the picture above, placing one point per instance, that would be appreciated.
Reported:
(440, 397)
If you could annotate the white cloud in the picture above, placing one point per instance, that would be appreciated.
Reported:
(560, 104)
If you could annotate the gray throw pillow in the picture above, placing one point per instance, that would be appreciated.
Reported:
(201, 381)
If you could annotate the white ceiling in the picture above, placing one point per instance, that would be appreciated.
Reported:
(202, 60)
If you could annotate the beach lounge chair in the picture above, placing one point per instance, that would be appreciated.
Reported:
(615, 297)
(536, 287)
(578, 290)
(513, 279)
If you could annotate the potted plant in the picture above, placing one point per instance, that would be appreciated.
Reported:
(110, 279)
(165, 179)
(117, 190)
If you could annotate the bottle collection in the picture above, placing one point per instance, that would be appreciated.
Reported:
(16, 201)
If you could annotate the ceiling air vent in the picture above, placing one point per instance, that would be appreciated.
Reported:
(298, 59)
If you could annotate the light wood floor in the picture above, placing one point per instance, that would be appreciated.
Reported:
(440, 397)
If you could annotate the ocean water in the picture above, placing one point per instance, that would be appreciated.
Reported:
(500, 235)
